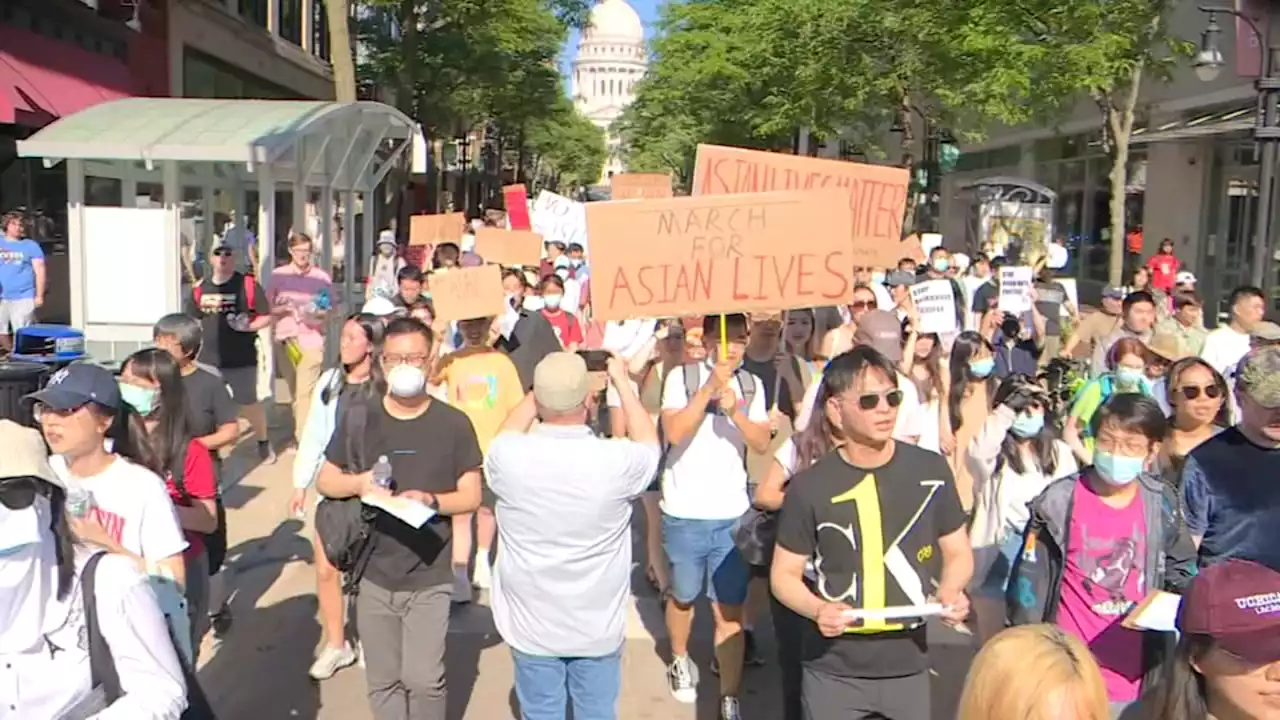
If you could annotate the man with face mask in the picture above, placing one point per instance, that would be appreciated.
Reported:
(1102, 539)
(1229, 481)
(403, 603)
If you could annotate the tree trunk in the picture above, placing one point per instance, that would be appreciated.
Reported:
(340, 54)
(1119, 121)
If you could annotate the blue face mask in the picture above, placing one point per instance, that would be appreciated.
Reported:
(142, 399)
(1117, 470)
(1027, 425)
(1130, 377)
(982, 368)
(941, 265)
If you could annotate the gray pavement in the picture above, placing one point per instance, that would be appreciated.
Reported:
(260, 670)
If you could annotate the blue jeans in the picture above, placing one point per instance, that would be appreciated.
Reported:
(545, 685)
(703, 554)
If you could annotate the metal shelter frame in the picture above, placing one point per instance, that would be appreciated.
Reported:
(235, 145)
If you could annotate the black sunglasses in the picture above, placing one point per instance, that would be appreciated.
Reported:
(222, 253)
(871, 401)
(863, 305)
(1191, 392)
(18, 493)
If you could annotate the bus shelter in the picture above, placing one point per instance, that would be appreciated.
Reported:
(146, 177)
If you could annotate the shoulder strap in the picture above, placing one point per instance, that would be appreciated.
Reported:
(748, 383)
(691, 384)
(102, 667)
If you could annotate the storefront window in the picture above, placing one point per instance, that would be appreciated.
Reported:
(290, 24)
(207, 77)
(103, 192)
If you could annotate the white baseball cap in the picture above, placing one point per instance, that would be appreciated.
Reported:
(379, 306)
(1185, 278)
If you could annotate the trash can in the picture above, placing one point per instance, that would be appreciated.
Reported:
(19, 378)
(54, 346)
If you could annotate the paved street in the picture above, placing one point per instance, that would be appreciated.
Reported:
(260, 670)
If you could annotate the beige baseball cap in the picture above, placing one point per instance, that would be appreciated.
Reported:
(560, 382)
(25, 454)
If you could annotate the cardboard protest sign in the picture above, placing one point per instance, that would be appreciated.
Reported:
(1015, 289)
(936, 307)
(465, 293)
(509, 247)
(557, 218)
(640, 186)
(875, 194)
(433, 230)
(732, 253)
(517, 200)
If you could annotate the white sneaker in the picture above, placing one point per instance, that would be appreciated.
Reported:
(461, 587)
(729, 708)
(331, 660)
(482, 577)
(682, 677)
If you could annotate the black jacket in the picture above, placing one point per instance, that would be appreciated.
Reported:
(531, 339)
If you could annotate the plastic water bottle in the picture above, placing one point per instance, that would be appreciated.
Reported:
(79, 500)
(382, 472)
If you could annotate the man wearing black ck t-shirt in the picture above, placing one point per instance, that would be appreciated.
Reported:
(869, 527)
(402, 608)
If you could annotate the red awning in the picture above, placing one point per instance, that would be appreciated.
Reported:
(42, 79)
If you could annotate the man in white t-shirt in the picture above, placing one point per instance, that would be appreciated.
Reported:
(1227, 344)
(560, 590)
(709, 421)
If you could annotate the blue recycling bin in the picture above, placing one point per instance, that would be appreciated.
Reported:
(54, 346)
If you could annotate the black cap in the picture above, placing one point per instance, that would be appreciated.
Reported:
(79, 384)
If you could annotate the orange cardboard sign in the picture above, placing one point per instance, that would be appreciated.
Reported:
(640, 186)
(731, 253)
(876, 194)
(465, 293)
(509, 247)
(436, 229)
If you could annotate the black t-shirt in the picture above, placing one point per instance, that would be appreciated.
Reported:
(985, 297)
(1049, 299)
(428, 453)
(531, 339)
(768, 374)
(209, 404)
(873, 537)
(224, 347)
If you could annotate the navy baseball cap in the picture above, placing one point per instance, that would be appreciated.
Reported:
(1115, 292)
(77, 385)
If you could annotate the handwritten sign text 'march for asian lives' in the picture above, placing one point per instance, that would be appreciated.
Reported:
(875, 194)
(714, 254)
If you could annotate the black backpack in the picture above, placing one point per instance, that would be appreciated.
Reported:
(102, 666)
(345, 526)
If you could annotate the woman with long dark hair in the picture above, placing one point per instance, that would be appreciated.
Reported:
(151, 382)
(970, 385)
(1197, 393)
(1226, 665)
(922, 363)
(796, 453)
(1012, 459)
(51, 586)
(357, 378)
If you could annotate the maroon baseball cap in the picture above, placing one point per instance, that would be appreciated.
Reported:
(1237, 603)
(882, 330)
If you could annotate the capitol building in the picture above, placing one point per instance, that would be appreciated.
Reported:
(611, 60)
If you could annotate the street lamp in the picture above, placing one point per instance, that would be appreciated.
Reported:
(1266, 131)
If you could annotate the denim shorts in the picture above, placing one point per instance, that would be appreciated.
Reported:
(703, 554)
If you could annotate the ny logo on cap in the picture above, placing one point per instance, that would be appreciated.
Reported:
(58, 377)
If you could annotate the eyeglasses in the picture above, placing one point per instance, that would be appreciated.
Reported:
(1191, 392)
(862, 305)
(40, 411)
(871, 401)
(418, 359)
(222, 252)
(18, 493)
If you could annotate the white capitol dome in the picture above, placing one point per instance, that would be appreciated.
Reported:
(611, 60)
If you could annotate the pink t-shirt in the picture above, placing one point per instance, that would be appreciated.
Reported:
(295, 289)
(1103, 579)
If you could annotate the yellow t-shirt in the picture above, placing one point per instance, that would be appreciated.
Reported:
(483, 384)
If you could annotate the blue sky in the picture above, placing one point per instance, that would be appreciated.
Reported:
(648, 10)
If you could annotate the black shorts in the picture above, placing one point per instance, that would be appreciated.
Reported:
(898, 698)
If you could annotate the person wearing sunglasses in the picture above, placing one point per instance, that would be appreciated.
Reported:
(45, 603)
(881, 521)
(1196, 395)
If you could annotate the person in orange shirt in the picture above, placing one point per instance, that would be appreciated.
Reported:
(483, 383)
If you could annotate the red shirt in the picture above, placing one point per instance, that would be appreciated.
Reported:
(568, 329)
(1164, 269)
(201, 484)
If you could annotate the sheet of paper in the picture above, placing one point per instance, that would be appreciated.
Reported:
(895, 613)
(1157, 611)
(410, 512)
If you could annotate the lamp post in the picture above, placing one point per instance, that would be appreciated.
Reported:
(1266, 132)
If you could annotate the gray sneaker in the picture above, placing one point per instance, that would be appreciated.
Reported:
(729, 708)
(331, 660)
(682, 677)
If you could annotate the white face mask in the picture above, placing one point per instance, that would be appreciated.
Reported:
(552, 301)
(877, 276)
(468, 243)
(28, 575)
(406, 381)
(534, 303)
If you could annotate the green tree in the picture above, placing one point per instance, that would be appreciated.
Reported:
(566, 150)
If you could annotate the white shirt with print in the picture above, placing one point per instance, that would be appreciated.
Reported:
(133, 506)
(705, 476)
(1223, 349)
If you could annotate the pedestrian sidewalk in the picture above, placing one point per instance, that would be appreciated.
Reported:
(259, 671)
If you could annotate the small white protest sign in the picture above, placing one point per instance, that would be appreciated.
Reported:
(557, 218)
(936, 306)
(1015, 289)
